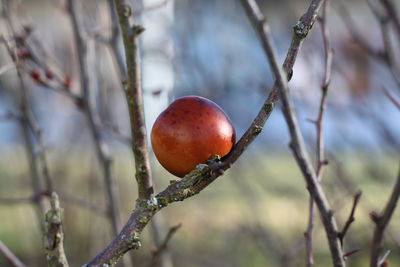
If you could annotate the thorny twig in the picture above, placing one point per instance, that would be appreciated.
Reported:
(381, 222)
(351, 218)
(204, 174)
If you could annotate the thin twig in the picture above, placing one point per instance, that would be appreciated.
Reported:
(351, 218)
(319, 125)
(163, 246)
(204, 174)
(101, 147)
(54, 235)
(382, 221)
(12, 259)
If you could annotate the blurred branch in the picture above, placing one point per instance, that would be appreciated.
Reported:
(28, 122)
(391, 10)
(158, 233)
(10, 116)
(351, 218)
(155, 6)
(386, 54)
(163, 246)
(101, 147)
(134, 99)
(114, 38)
(319, 124)
(382, 259)
(391, 98)
(12, 259)
(54, 236)
(297, 142)
(6, 68)
(204, 174)
(381, 222)
(68, 199)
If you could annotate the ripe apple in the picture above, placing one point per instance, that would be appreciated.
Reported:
(189, 132)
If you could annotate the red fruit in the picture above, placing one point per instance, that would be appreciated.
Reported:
(189, 132)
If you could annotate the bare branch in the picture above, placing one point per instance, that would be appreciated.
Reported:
(12, 259)
(297, 142)
(134, 99)
(385, 55)
(163, 246)
(114, 38)
(393, 13)
(26, 123)
(101, 147)
(68, 199)
(204, 174)
(319, 124)
(382, 222)
(351, 218)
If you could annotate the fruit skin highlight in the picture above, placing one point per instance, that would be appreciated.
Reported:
(189, 132)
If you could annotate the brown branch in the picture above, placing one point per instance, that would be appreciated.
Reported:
(382, 221)
(54, 236)
(351, 218)
(297, 142)
(204, 174)
(319, 124)
(100, 146)
(163, 246)
(11, 258)
(134, 99)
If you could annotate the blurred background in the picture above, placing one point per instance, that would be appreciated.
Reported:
(256, 214)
